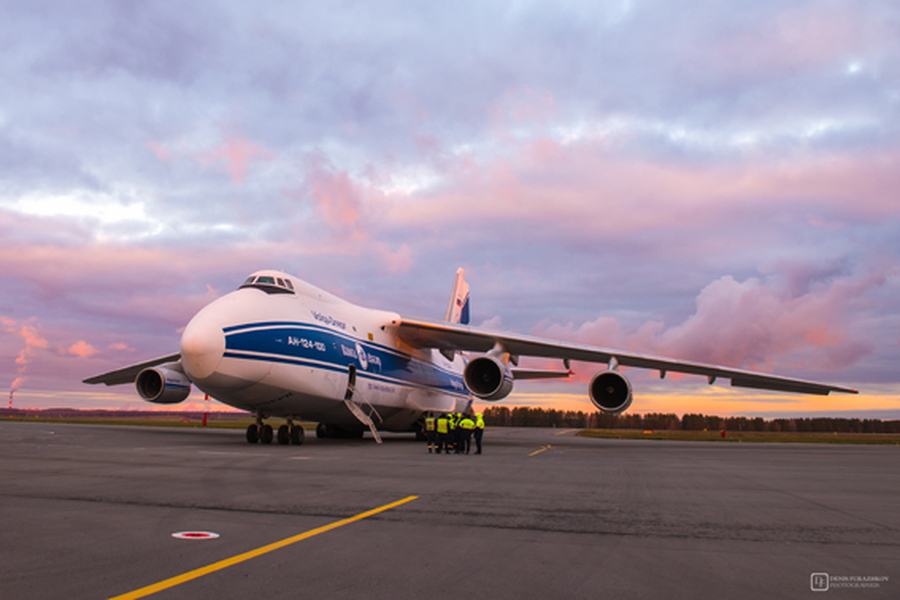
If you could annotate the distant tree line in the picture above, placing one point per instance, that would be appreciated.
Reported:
(502, 416)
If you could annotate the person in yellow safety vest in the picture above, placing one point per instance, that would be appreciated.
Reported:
(479, 431)
(451, 435)
(442, 425)
(431, 432)
(466, 425)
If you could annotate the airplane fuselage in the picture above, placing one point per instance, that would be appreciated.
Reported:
(290, 349)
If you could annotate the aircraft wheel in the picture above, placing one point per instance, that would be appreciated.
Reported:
(265, 434)
(297, 435)
(323, 431)
(252, 434)
(284, 435)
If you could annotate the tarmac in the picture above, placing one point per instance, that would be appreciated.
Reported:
(88, 511)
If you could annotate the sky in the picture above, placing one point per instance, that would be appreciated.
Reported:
(712, 181)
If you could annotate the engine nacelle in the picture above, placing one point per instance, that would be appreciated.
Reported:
(610, 392)
(488, 378)
(163, 384)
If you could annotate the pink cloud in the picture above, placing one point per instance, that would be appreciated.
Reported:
(237, 153)
(161, 152)
(81, 349)
(544, 150)
(593, 189)
(338, 200)
(395, 261)
(33, 341)
(751, 324)
(605, 332)
(352, 210)
(154, 285)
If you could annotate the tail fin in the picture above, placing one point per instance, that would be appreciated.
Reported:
(458, 307)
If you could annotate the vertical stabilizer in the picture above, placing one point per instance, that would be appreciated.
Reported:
(458, 307)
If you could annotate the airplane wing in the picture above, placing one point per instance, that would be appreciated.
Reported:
(422, 333)
(518, 373)
(129, 374)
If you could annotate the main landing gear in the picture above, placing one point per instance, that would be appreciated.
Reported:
(287, 434)
(326, 430)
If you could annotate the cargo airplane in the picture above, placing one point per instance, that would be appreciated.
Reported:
(278, 346)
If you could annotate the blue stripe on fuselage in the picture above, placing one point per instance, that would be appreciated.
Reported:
(314, 346)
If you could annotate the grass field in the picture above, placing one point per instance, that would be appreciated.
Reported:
(746, 436)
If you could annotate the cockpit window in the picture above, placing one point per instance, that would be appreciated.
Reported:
(269, 284)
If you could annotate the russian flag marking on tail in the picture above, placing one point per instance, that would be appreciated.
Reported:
(458, 307)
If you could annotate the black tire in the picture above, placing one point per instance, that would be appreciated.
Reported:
(284, 435)
(265, 434)
(252, 434)
(323, 431)
(297, 435)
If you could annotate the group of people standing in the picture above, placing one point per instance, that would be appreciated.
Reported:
(453, 432)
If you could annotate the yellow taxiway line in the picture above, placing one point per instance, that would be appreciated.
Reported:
(222, 564)
(547, 447)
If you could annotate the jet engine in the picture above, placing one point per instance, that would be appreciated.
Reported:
(163, 384)
(488, 378)
(610, 392)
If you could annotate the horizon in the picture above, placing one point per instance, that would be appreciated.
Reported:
(720, 401)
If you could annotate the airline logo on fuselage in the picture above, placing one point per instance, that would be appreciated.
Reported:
(329, 320)
(359, 353)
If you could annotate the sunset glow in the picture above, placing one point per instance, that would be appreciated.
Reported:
(716, 183)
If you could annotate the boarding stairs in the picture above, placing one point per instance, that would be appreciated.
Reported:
(363, 416)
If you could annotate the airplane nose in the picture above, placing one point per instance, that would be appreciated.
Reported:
(202, 347)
